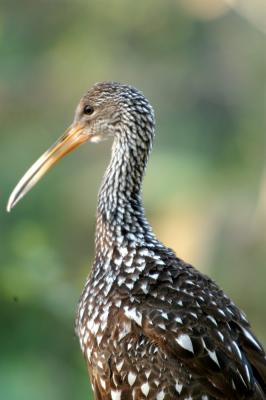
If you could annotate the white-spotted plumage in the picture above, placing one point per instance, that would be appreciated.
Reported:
(150, 325)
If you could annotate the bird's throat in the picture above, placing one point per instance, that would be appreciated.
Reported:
(120, 214)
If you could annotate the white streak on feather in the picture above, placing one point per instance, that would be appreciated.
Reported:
(184, 341)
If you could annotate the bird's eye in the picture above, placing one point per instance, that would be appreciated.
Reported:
(88, 110)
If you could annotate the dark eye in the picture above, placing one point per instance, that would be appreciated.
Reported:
(88, 110)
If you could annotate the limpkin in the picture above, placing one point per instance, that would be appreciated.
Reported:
(150, 325)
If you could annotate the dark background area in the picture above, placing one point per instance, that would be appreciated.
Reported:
(202, 64)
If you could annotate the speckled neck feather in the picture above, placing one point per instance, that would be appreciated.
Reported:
(120, 214)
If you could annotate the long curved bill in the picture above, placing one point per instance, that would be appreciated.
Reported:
(71, 139)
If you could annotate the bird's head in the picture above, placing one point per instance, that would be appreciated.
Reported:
(107, 109)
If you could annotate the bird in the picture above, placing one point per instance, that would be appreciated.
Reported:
(150, 325)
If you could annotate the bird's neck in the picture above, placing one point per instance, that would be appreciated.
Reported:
(120, 215)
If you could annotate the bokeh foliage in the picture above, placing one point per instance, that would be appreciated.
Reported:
(204, 190)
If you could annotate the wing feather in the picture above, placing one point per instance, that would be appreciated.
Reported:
(194, 322)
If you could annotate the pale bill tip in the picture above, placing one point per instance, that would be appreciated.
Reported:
(13, 199)
(10, 204)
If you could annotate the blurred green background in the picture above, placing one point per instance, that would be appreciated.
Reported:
(202, 64)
